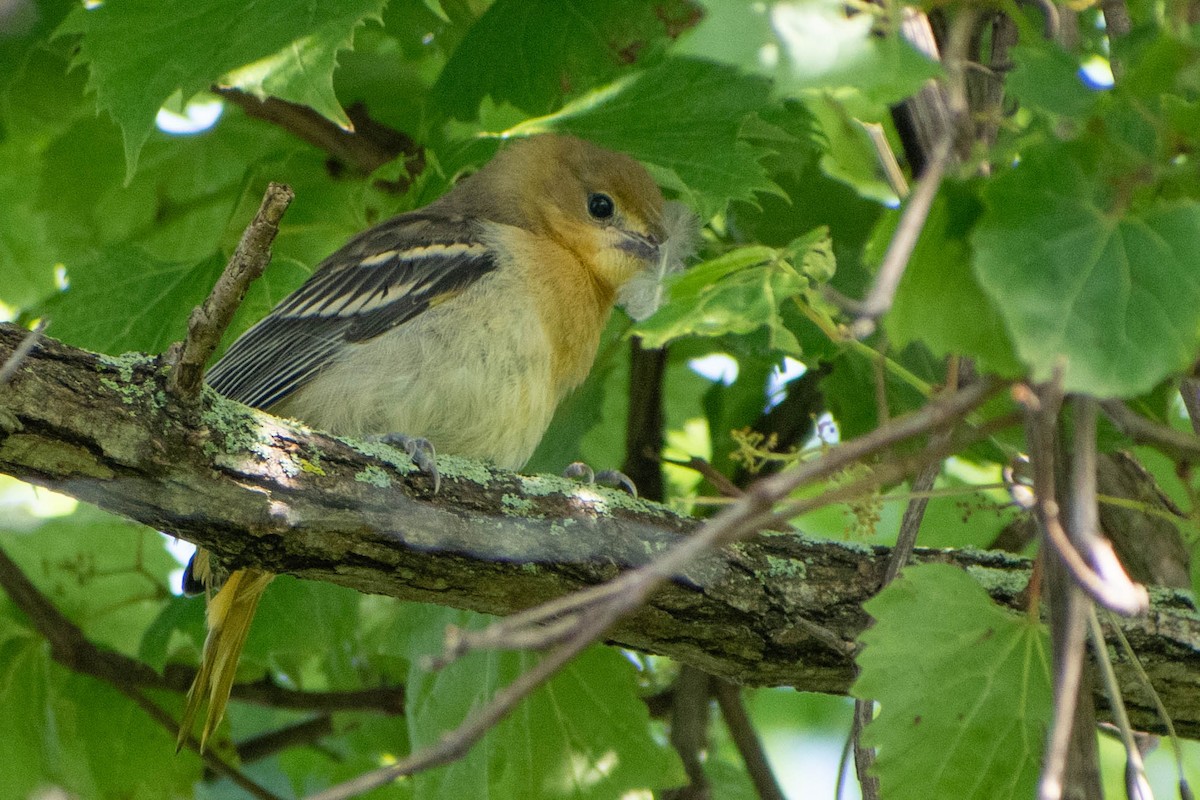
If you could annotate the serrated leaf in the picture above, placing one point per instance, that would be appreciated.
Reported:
(963, 688)
(140, 53)
(738, 292)
(123, 300)
(584, 734)
(676, 117)
(535, 53)
(1114, 294)
(301, 73)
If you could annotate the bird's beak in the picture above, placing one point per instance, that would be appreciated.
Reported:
(641, 245)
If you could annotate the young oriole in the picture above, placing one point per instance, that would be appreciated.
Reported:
(463, 323)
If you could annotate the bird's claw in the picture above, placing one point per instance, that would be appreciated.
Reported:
(420, 450)
(613, 478)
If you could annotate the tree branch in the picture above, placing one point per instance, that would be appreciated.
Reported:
(256, 490)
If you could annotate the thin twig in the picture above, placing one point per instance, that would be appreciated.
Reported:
(631, 589)
(211, 760)
(210, 319)
(1132, 658)
(912, 220)
(751, 512)
(13, 362)
(455, 744)
(741, 730)
(906, 542)
(689, 730)
(1067, 604)
(367, 147)
(726, 487)
(1178, 445)
(864, 757)
(271, 742)
(1103, 578)
(72, 649)
(1136, 785)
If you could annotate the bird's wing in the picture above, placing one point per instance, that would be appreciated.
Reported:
(382, 278)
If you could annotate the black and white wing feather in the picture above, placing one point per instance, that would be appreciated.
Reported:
(382, 278)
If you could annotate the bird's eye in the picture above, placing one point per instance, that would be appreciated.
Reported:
(600, 205)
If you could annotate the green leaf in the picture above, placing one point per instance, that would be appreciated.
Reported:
(1114, 295)
(827, 48)
(113, 744)
(741, 292)
(939, 301)
(676, 117)
(585, 734)
(535, 53)
(122, 300)
(302, 72)
(140, 53)
(810, 46)
(106, 574)
(963, 688)
(23, 747)
(850, 156)
(1046, 77)
(298, 619)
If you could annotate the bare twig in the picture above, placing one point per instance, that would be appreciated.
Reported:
(367, 147)
(455, 744)
(1068, 605)
(750, 512)
(1132, 658)
(741, 730)
(1103, 578)
(689, 730)
(1136, 785)
(270, 743)
(72, 649)
(644, 426)
(13, 362)
(723, 485)
(1176, 444)
(912, 221)
(864, 757)
(210, 319)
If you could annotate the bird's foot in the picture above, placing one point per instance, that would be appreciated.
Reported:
(420, 450)
(613, 478)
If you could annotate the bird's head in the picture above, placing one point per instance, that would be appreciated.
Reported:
(601, 205)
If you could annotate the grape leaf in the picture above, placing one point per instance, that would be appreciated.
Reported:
(122, 300)
(1112, 293)
(939, 301)
(969, 716)
(584, 734)
(534, 53)
(140, 53)
(676, 117)
(740, 292)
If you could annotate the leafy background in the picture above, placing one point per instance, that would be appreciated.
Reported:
(125, 182)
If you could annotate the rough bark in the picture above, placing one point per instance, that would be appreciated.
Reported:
(257, 490)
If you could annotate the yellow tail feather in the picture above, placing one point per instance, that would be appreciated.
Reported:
(230, 612)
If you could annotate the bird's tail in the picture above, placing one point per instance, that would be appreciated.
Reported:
(230, 612)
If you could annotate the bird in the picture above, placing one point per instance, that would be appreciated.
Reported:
(454, 328)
